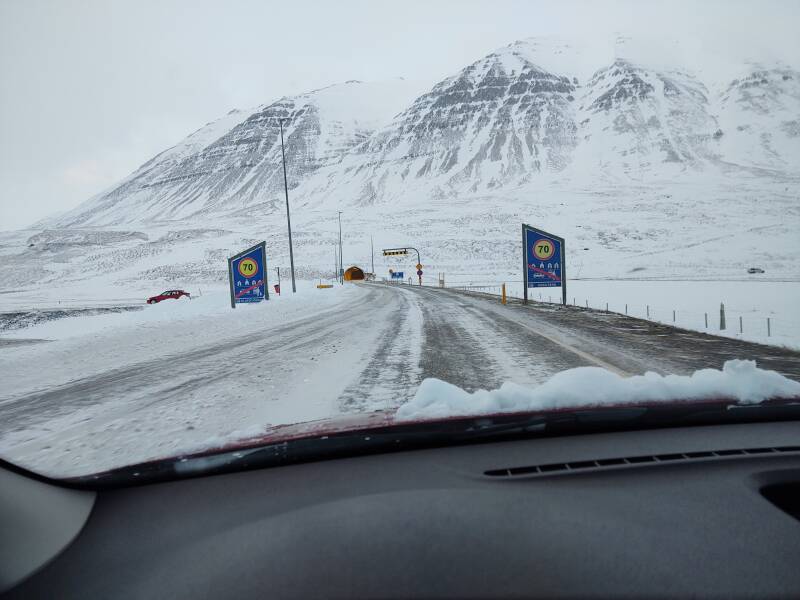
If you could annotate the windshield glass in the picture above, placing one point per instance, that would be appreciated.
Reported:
(214, 229)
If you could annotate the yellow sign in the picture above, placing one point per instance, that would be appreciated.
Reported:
(419, 266)
(248, 267)
(543, 249)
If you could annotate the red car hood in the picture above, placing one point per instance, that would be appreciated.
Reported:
(387, 418)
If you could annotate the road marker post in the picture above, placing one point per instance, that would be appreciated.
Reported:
(768, 328)
(721, 316)
(504, 294)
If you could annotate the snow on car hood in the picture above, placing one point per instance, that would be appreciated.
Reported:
(739, 380)
(436, 400)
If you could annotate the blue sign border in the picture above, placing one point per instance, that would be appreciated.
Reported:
(527, 229)
(231, 276)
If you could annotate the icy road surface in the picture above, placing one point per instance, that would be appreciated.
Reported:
(117, 389)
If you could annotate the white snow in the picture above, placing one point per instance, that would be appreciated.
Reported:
(169, 328)
(692, 302)
(738, 380)
(187, 375)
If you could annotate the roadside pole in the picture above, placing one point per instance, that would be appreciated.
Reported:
(288, 218)
(404, 251)
(278, 269)
(524, 268)
(341, 264)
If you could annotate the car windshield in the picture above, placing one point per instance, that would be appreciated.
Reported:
(387, 215)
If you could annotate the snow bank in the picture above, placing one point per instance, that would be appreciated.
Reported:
(592, 386)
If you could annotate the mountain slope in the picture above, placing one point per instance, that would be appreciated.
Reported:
(760, 119)
(527, 114)
(236, 162)
(502, 119)
(633, 118)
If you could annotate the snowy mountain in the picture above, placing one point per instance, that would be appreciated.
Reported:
(502, 119)
(235, 162)
(760, 119)
(622, 155)
(633, 118)
(524, 113)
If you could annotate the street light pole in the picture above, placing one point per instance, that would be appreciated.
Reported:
(372, 254)
(288, 218)
(341, 263)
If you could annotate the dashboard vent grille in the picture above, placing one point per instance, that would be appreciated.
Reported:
(634, 460)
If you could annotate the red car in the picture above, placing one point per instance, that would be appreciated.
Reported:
(173, 294)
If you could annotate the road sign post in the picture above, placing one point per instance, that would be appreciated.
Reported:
(404, 252)
(247, 275)
(543, 261)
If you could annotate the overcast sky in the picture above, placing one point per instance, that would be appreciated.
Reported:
(92, 89)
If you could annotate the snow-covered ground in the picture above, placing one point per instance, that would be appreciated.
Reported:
(693, 302)
(109, 389)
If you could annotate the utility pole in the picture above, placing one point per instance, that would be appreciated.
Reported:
(288, 218)
(341, 264)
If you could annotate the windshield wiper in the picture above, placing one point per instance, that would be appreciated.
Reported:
(448, 432)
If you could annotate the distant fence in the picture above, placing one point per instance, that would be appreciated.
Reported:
(719, 319)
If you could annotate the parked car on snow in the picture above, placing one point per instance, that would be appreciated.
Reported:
(169, 294)
(752, 270)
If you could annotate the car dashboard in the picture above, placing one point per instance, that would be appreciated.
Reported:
(689, 511)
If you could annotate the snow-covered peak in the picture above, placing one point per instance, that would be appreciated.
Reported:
(573, 58)
(367, 105)
(766, 90)
(760, 118)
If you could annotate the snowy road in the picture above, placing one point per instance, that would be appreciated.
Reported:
(367, 350)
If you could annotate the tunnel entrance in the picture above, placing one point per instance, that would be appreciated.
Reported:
(354, 274)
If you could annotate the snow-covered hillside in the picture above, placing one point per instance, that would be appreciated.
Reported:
(235, 163)
(525, 113)
(649, 170)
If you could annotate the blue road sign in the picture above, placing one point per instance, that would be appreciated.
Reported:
(247, 274)
(543, 254)
(397, 274)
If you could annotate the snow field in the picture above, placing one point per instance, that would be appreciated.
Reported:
(753, 301)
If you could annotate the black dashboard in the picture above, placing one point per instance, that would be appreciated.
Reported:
(710, 511)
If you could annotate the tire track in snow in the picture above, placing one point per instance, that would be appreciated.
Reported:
(392, 373)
